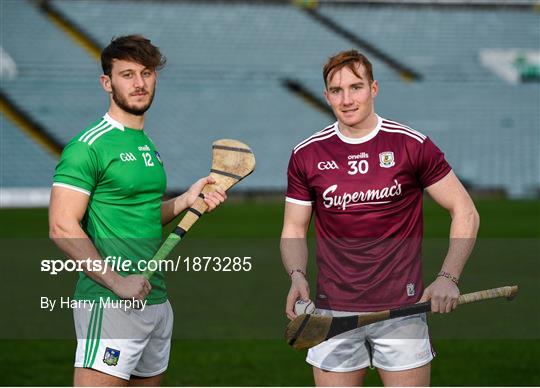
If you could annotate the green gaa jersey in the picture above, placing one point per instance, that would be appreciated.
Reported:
(121, 171)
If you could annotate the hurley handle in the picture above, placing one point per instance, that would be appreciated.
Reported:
(172, 240)
(232, 161)
(500, 292)
(307, 330)
(192, 215)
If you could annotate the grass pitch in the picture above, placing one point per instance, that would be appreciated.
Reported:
(493, 344)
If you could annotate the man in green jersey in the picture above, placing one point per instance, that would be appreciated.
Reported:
(106, 204)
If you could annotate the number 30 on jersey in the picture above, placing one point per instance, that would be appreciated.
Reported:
(358, 167)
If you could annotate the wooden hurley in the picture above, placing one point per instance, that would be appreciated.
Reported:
(306, 331)
(232, 161)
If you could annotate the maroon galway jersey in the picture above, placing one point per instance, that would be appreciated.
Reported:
(367, 198)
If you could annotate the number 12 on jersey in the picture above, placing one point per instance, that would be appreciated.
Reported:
(147, 159)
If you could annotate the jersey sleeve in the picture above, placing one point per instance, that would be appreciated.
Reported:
(298, 190)
(431, 164)
(78, 168)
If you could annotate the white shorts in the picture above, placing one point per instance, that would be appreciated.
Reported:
(124, 343)
(393, 345)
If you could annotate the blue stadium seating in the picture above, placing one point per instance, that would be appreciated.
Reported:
(23, 163)
(58, 82)
(490, 130)
(226, 61)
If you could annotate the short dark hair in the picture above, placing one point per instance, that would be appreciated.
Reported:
(135, 48)
(350, 59)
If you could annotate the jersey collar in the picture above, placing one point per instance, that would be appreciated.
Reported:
(358, 140)
(113, 122)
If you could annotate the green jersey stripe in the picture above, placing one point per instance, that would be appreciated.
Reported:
(100, 134)
(93, 130)
(98, 338)
(104, 128)
(92, 340)
(89, 334)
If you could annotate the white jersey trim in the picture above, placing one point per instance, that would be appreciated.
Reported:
(359, 140)
(107, 124)
(298, 202)
(382, 125)
(331, 132)
(113, 122)
(75, 188)
(95, 134)
(102, 124)
(403, 131)
(319, 133)
(394, 124)
(98, 135)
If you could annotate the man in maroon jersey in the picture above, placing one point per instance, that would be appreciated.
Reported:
(364, 178)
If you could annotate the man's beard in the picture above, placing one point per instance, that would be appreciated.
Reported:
(123, 104)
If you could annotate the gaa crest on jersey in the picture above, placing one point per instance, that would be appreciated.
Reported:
(158, 157)
(328, 165)
(127, 157)
(111, 356)
(386, 159)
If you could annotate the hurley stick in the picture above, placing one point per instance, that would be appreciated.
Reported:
(232, 161)
(306, 331)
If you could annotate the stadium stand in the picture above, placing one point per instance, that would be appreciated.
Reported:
(488, 128)
(23, 163)
(226, 63)
(57, 82)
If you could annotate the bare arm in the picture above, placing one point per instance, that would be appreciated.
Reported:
(450, 194)
(66, 210)
(294, 252)
(174, 206)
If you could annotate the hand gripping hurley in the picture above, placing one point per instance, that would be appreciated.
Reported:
(306, 331)
(232, 161)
